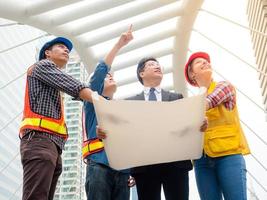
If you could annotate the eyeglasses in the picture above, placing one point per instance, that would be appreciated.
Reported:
(152, 64)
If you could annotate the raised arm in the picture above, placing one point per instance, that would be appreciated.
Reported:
(103, 67)
(124, 39)
(97, 80)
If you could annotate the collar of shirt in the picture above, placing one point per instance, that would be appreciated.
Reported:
(157, 93)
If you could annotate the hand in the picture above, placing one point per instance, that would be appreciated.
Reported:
(126, 37)
(101, 134)
(204, 126)
(131, 181)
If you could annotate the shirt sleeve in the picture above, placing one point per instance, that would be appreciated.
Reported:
(223, 93)
(98, 78)
(47, 72)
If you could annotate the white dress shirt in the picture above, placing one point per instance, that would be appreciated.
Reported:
(157, 93)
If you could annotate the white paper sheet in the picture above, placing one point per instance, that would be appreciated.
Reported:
(142, 133)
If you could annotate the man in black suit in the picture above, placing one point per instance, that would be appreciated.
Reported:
(173, 177)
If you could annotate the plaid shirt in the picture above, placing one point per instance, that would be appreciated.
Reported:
(223, 93)
(45, 83)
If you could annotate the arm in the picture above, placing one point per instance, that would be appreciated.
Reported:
(47, 72)
(223, 93)
(86, 94)
(124, 39)
(97, 80)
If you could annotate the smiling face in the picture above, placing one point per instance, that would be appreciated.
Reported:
(151, 72)
(59, 54)
(200, 70)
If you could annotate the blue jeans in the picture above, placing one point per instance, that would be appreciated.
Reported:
(219, 176)
(104, 183)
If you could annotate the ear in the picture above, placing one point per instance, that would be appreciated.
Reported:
(193, 80)
(192, 77)
(141, 74)
(47, 53)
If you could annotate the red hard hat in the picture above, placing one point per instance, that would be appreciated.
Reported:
(190, 60)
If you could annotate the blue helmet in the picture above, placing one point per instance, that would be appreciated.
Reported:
(50, 43)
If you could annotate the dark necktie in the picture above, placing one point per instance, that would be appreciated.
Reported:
(152, 96)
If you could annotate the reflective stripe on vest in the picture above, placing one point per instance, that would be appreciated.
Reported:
(92, 146)
(44, 123)
(36, 121)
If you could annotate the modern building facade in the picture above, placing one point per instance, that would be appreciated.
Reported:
(257, 17)
(71, 183)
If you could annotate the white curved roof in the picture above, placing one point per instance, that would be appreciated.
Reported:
(90, 23)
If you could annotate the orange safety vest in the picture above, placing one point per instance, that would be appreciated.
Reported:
(34, 121)
(90, 146)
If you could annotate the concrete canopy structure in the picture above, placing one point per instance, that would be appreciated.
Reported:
(89, 23)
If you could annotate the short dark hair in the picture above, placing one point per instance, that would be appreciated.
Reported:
(141, 65)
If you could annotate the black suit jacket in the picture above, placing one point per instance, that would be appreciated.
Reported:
(166, 96)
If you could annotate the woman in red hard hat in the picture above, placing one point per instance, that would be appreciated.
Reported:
(221, 171)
